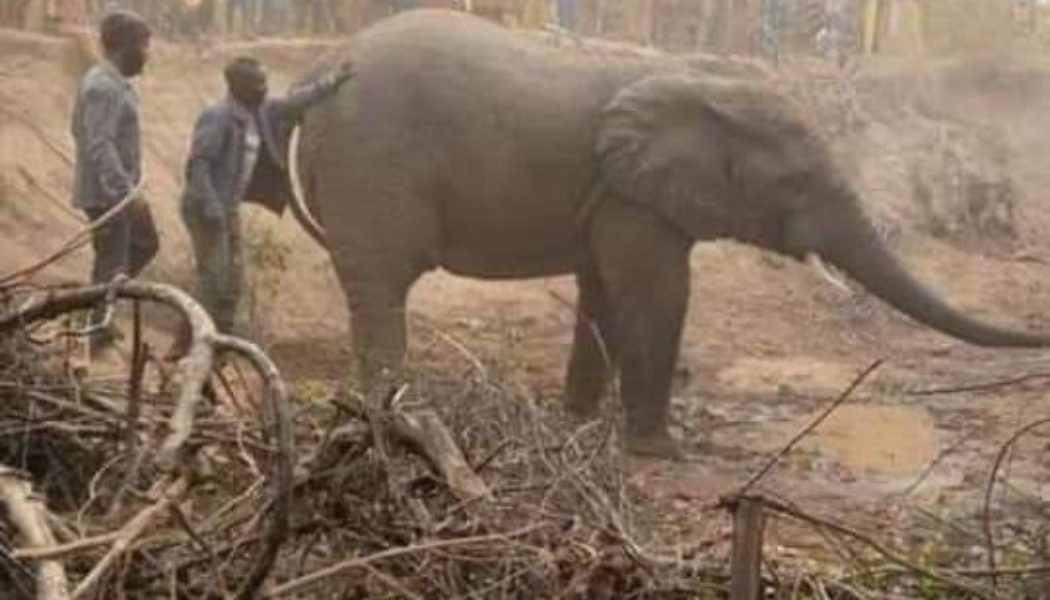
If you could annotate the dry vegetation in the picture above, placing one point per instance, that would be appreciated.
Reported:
(162, 481)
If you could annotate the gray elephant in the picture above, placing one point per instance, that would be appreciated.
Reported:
(464, 146)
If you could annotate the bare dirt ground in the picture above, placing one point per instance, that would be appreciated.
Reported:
(766, 345)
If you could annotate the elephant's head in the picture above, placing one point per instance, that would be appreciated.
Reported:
(737, 160)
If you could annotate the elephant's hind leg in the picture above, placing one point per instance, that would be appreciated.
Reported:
(377, 271)
(379, 329)
(382, 235)
(594, 351)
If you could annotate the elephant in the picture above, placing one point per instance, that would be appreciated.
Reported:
(488, 153)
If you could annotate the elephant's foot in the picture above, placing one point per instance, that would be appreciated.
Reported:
(583, 393)
(653, 445)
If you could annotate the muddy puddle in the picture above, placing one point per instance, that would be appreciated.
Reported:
(889, 441)
(892, 444)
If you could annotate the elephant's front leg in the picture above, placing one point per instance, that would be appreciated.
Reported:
(644, 265)
(594, 351)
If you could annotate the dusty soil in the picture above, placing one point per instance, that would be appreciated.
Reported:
(767, 344)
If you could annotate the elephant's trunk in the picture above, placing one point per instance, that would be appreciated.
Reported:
(854, 246)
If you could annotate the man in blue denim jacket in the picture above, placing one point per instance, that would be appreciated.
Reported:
(108, 165)
(238, 154)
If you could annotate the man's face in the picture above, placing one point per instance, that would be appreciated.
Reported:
(250, 89)
(132, 59)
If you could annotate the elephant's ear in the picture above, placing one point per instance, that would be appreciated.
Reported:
(671, 141)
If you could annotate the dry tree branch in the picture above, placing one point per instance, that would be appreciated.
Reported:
(28, 515)
(195, 368)
(424, 431)
(166, 497)
(139, 358)
(284, 465)
(946, 579)
(592, 326)
(213, 560)
(987, 386)
(312, 579)
(452, 342)
(192, 375)
(79, 239)
(41, 134)
(986, 509)
(60, 203)
(111, 310)
(845, 395)
(19, 577)
(391, 582)
(1007, 572)
(68, 549)
(936, 462)
(984, 573)
(139, 354)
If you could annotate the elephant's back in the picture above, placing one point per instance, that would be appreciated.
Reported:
(471, 89)
(436, 53)
(496, 128)
(447, 31)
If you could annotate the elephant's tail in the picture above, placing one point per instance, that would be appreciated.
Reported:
(300, 209)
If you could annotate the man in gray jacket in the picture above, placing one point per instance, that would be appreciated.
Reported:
(238, 154)
(108, 156)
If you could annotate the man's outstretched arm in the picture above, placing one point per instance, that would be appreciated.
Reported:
(301, 98)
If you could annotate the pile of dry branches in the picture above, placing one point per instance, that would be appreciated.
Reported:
(158, 481)
(540, 509)
(179, 480)
(182, 481)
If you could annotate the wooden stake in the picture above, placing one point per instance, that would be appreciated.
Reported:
(749, 523)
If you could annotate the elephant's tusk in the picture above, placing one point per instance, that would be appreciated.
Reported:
(300, 209)
(814, 261)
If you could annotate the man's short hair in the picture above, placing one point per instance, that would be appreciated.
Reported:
(241, 69)
(122, 29)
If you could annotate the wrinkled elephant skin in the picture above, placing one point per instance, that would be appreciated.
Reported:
(464, 146)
